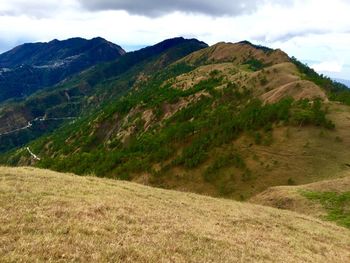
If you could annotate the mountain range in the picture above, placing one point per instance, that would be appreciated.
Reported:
(217, 120)
(179, 114)
(33, 66)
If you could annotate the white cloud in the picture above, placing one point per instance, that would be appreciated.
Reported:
(161, 7)
(328, 66)
(36, 9)
(315, 30)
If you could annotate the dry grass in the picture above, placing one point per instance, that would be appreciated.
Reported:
(238, 53)
(291, 198)
(298, 90)
(46, 216)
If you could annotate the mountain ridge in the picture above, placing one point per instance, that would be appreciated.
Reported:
(41, 53)
(34, 66)
(85, 92)
(212, 120)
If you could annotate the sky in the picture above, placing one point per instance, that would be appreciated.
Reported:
(315, 31)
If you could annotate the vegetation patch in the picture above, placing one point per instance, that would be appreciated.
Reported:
(336, 204)
(254, 64)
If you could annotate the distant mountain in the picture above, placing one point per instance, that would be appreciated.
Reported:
(30, 67)
(170, 49)
(344, 81)
(86, 91)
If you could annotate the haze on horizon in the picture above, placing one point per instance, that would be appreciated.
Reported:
(316, 32)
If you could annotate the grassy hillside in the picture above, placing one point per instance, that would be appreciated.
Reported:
(328, 200)
(47, 216)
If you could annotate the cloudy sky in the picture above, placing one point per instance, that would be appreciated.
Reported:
(315, 31)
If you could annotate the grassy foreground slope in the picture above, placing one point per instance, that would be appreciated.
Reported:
(326, 199)
(47, 216)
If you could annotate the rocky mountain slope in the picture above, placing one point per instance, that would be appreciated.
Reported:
(33, 66)
(47, 216)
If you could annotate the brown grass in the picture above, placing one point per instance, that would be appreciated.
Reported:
(298, 90)
(290, 197)
(236, 53)
(52, 217)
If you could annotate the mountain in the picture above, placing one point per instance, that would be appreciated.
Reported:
(30, 67)
(62, 217)
(86, 91)
(229, 120)
(55, 53)
(344, 81)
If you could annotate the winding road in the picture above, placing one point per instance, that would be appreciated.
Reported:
(32, 154)
(39, 119)
(30, 124)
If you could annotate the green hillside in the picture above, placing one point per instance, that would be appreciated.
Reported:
(227, 120)
(84, 93)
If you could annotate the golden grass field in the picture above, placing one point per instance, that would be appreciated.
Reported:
(51, 217)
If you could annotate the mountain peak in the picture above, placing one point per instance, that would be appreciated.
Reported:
(238, 53)
(40, 65)
(260, 47)
(44, 53)
(177, 41)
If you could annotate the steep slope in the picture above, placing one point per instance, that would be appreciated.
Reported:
(326, 199)
(272, 76)
(54, 217)
(85, 92)
(30, 67)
